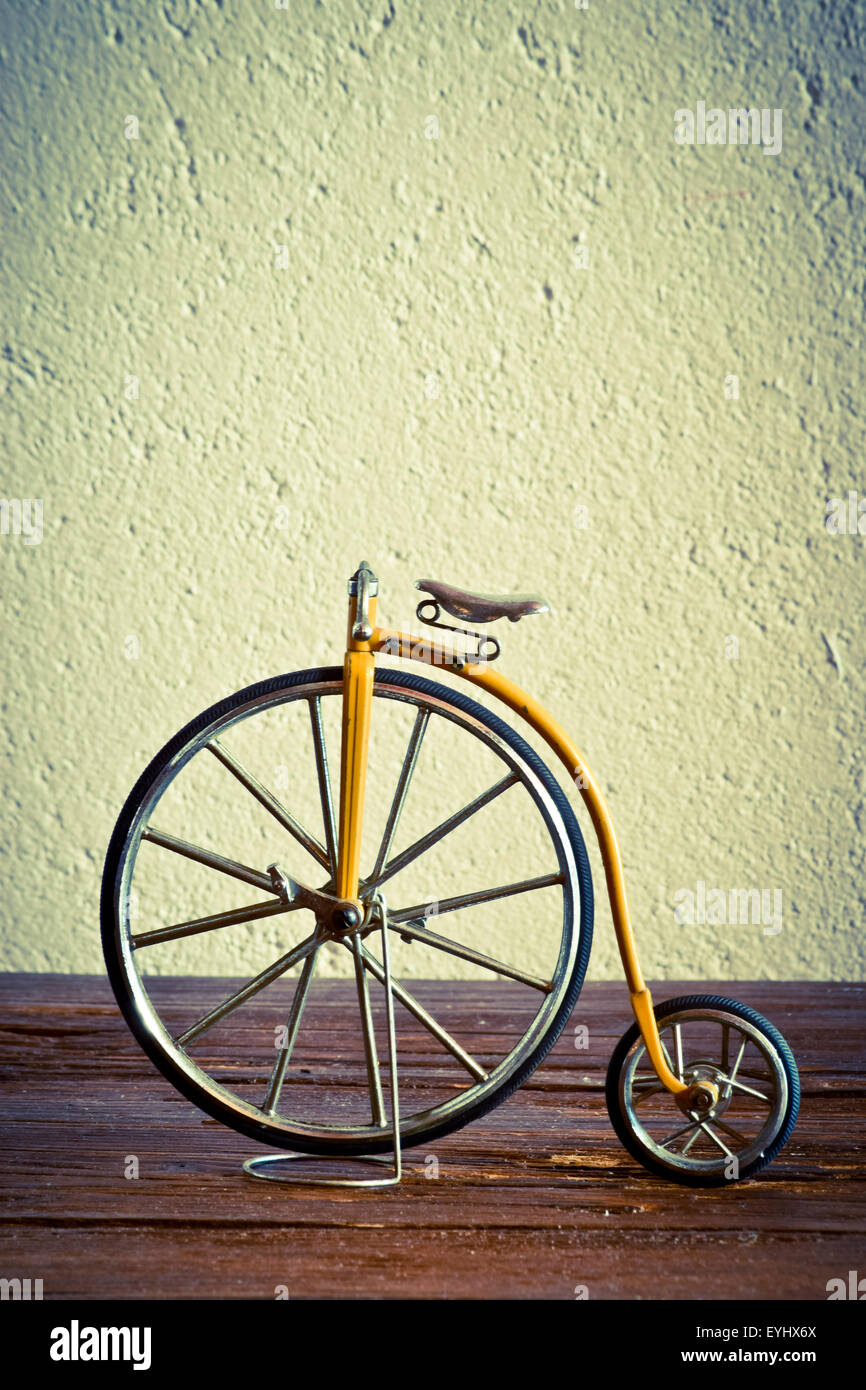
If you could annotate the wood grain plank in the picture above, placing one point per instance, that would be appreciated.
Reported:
(530, 1201)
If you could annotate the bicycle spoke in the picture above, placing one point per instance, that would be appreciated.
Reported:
(258, 982)
(270, 802)
(406, 771)
(667, 1055)
(324, 781)
(648, 1085)
(736, 1067)
(750, 1090)
(445, 828)
(678, 1045)
(207, 856)
(715, 1138)
(423, 1017)
(374, 1079)
(217, 919)
(648, 1091)
(484, 895)
(729, 1129)
(302, 989)
(663, 1143)
(454, 948)
(688, 1144)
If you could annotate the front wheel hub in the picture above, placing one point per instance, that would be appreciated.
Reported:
(345, 920)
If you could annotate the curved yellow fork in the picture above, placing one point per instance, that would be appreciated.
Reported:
(357, 703)
(406, 644)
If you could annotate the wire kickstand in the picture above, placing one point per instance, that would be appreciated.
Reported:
(269, 1166)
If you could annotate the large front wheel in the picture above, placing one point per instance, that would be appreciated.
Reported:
(466, 834)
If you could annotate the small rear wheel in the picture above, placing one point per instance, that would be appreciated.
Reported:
(706, 1038)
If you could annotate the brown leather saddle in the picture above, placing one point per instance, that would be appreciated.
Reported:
(481, 608)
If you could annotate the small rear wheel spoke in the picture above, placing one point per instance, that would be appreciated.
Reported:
(688, 1144)
(707, 1129)
(678, 1133)
(646, 1093)
(729, 1129)
(747, 1090)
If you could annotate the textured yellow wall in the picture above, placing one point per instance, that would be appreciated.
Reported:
(249, 280)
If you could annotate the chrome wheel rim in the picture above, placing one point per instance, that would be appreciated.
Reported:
(712, 1045)
(134, 942)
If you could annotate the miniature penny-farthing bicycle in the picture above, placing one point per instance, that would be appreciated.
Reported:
(701, 1090)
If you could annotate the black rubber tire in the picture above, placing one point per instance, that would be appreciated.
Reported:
(178, 1079)
(627, 1135)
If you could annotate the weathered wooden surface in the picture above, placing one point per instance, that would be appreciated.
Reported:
(531, 1201)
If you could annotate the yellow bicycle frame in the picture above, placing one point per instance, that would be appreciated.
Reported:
(358, 668)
